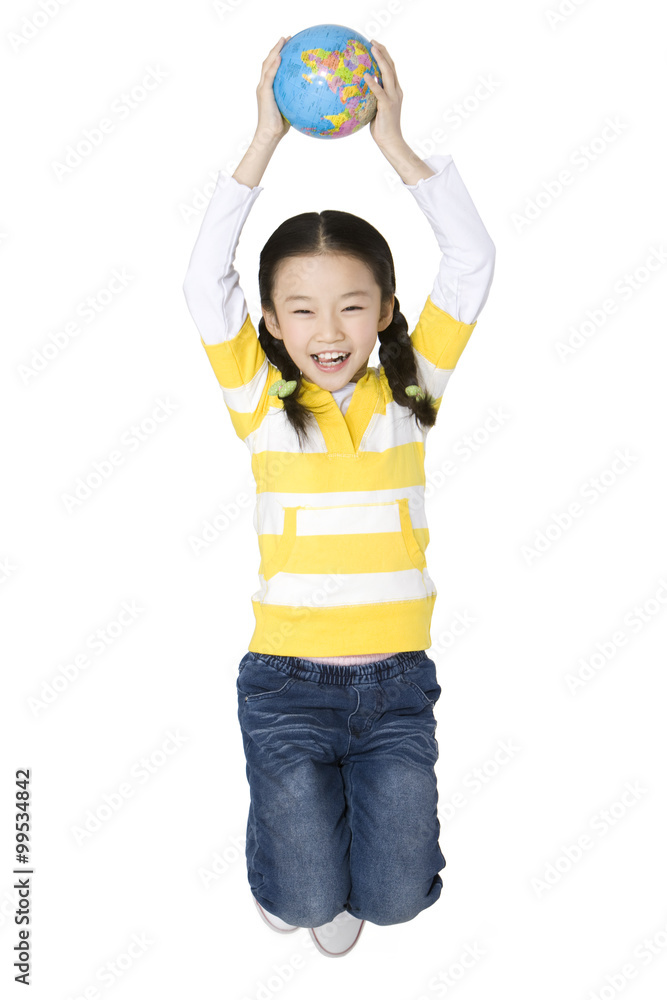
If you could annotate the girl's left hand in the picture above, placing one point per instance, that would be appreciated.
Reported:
(386, 125)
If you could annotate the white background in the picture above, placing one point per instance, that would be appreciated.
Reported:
(134, 205)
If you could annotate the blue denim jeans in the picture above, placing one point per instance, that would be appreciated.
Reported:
(343, 798)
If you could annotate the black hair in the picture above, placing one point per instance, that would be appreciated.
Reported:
(341, 233)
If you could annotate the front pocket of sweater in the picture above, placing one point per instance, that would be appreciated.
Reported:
(347, 539)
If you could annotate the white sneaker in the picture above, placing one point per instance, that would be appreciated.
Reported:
(275, 922)
(339, 936)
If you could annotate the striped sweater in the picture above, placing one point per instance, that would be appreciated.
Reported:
(341, 522)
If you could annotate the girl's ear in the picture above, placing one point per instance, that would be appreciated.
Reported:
(386, 316)
(271, 323)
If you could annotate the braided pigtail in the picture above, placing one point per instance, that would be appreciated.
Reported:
(398, 360)
(299, 416)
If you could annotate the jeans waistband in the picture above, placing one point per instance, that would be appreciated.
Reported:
(336, 673)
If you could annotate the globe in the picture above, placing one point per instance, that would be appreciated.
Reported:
(319, 86)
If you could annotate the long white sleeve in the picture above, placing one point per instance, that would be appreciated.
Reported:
(211, 287)
(466, 268)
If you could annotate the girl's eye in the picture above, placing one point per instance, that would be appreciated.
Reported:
(308, 310)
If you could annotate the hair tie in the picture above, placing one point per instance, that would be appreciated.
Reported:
(416, 391)
(282, 388)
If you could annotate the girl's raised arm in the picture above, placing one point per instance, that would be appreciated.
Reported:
(271, 126)
(212, 291)
(468, 253)
(464, 276)
(211, 287)
(467, 264)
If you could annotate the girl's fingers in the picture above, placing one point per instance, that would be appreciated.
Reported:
(389, 80)
(382, 52)
(373, 84)
(276, 48)
(271, 63)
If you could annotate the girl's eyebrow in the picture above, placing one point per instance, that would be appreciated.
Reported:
(346, 295)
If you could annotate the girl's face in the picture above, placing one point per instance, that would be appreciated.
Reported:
(327, 305)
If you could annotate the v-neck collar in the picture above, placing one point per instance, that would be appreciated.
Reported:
(343, 433)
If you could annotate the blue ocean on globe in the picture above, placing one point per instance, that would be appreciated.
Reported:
(320, 87)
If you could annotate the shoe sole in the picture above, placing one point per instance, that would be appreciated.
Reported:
(335, 954)
(265, 917)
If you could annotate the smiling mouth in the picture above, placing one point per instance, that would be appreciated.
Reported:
(328, 361)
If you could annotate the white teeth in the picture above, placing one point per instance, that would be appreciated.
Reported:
(328, 355)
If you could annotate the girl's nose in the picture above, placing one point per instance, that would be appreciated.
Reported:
(330, 333)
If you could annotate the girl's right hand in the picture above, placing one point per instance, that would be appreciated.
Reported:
(270, 123)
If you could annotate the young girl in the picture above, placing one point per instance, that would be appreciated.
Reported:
(336, 693)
